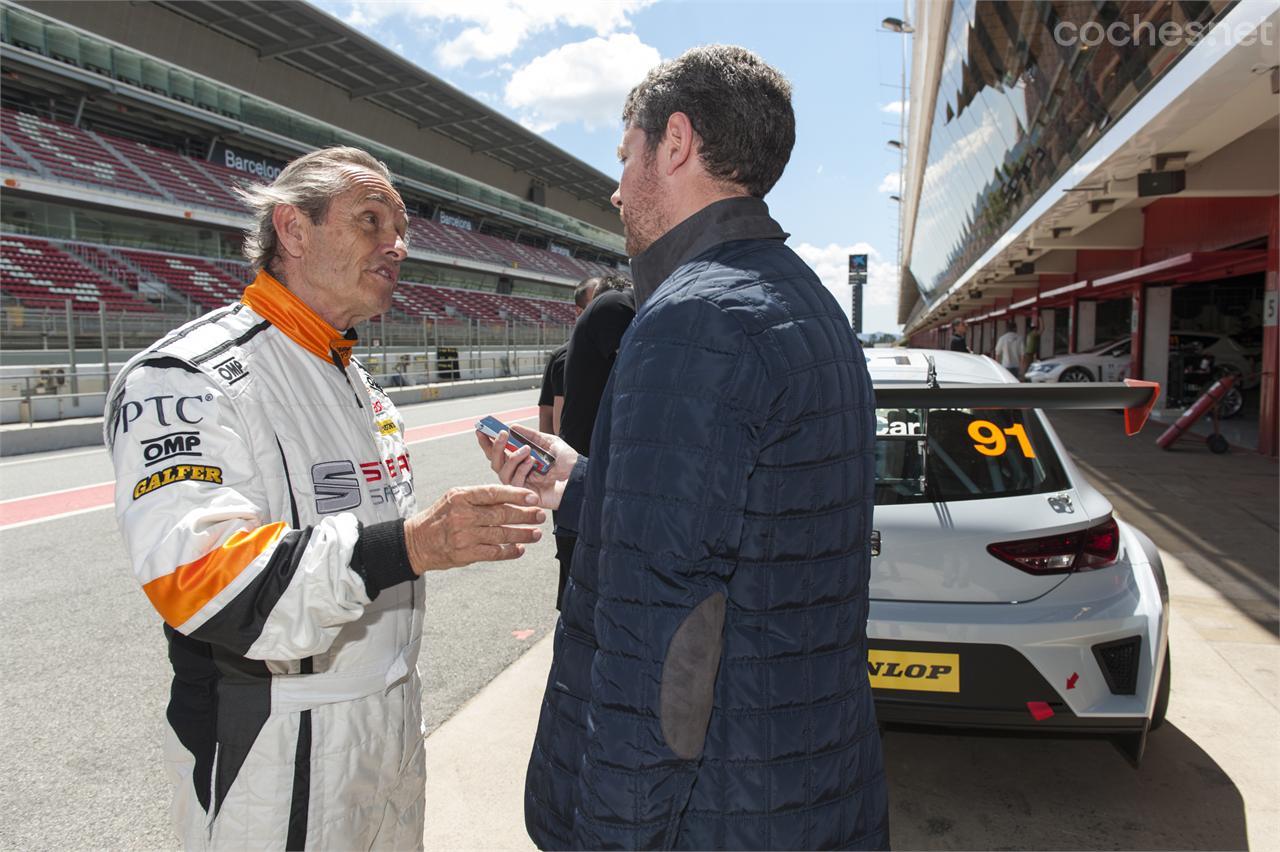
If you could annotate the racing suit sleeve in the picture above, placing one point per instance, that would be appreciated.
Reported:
(690, 399)
(204, 530)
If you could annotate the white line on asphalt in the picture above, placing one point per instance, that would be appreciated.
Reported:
(33, 521)
(21, 524)
(46, 458)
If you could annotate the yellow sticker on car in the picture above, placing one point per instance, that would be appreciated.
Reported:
(913, 670)
(387, 427)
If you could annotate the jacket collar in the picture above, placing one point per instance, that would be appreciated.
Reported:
(737, 218)
(281, 307)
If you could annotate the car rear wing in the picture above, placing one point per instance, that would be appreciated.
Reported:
(1134, 396)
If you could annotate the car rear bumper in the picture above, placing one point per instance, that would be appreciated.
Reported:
(1044, 652)
(1000, 689)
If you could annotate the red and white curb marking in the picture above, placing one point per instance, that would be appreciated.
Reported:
(51, 505)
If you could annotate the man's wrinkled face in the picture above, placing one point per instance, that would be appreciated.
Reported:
(638, 196)
(353, 257)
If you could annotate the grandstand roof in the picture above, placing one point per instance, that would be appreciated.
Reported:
(318, 44)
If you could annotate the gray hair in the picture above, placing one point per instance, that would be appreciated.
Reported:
(739, 106)
(309, 183)
(609, 281)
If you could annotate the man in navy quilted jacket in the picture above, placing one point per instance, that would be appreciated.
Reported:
(709, 685)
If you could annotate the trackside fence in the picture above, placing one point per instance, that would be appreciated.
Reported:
(56, 364)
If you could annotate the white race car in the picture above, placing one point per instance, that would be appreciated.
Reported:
(1110, 361)
(1004, 593)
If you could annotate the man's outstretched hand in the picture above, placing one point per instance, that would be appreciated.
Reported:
(483, 523)
(516, 468)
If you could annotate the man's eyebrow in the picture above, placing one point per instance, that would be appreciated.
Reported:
(383, 198)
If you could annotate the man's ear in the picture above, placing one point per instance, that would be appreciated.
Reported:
(291, 231)
(679, 144)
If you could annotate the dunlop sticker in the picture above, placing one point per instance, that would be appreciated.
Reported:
(913, 670)
(387, 427)
(177, 473)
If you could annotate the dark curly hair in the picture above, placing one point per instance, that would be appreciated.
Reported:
(739, 106)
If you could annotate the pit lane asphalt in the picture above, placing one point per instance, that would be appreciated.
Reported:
(84, 670)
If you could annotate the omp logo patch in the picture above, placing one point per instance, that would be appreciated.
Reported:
(913, 670)
(231, 370)
(173, 445)
(387, 427)
(177, 473)
(337, 488)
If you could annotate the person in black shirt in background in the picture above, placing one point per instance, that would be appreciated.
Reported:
(551, 399)
(592, 347)
(958, 341)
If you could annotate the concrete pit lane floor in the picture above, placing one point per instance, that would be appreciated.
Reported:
(86, 680)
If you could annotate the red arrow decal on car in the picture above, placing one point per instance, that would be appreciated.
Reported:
(1071, 681)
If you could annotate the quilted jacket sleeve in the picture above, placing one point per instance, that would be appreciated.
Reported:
(689, 406)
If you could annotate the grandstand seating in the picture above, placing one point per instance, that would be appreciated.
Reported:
(69, 153)
(105, 261)
(38, 274)
(181, 177)
(10, 159)
(204, 283)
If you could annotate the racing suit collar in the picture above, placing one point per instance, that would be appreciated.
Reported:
(283, 309)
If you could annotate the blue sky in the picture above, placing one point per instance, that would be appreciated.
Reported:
(563, 67)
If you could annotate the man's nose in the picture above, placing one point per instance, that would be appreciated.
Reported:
(399, 250)
(616, 198)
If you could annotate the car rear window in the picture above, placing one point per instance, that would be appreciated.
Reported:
(963, 455)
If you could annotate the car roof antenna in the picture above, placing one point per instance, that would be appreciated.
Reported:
(931, 380)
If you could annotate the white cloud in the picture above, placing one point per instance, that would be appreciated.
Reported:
(895, 108)
(890, 183)
(1083, 169)
(880, 297)
(493, 29)
(585, 81)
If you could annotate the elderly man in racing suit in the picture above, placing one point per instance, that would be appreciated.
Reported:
(266, 497)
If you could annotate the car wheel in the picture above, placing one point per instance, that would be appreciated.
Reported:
(1231, 404)
(1162, 692)
(1075, 374)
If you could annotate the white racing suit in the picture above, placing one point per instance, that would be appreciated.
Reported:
(262, 479)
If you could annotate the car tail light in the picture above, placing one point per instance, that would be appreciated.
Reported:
(1083, 550)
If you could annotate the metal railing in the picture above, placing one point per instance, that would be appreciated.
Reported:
(47, 328)
(71, 357)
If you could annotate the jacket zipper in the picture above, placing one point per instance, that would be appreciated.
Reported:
(337, 362)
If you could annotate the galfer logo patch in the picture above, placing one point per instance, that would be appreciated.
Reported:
(337, 488)
(177, 473)
(172, 445)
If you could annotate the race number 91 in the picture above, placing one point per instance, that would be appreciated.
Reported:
(989, 439)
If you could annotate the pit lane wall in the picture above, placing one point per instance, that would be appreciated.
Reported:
(20, 438)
